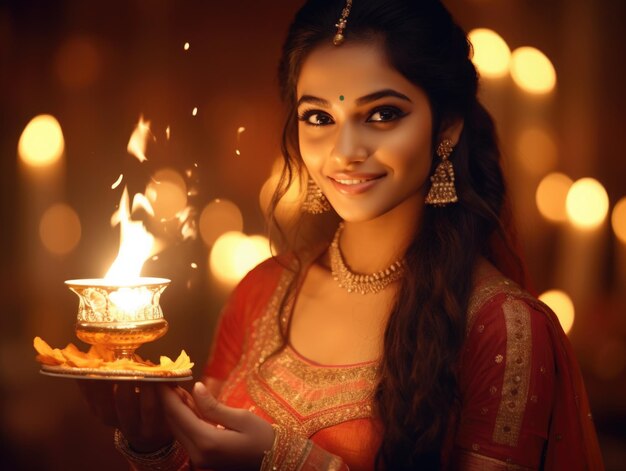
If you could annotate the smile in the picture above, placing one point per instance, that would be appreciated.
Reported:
(355, 185)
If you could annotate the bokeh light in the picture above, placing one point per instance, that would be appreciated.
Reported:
(78, 62)
(234, 254)
(167, 193)
(551, 195)
(41, 143)
(536, 151)
(562, 306)
(587, 203)
(532, 71)
(290, 203)
(217, 218)
(59, 229)
(618, 220)
(491, 53)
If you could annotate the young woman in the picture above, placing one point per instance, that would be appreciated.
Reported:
(393, 332)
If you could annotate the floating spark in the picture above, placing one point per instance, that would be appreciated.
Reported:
(117, 182)
(239, 131)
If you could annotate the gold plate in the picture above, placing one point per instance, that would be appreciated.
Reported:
(114, 375)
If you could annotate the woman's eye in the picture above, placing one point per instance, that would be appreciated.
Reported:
(316, 118)
(383, 115)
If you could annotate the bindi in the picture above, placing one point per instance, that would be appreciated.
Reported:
(341, 98)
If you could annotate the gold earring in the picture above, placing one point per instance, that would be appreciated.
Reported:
(442, 190)
(315, 202)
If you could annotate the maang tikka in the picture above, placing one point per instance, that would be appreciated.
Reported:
(442, 190)
(341, 24)
(315, 201)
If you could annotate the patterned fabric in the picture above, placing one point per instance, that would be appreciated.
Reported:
(523, 401)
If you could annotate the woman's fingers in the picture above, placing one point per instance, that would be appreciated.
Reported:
(180, 416)
(216, 412)
(127, 407)
(99, 397)
(150, 407)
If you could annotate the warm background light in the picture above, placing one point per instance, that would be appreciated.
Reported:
(587, 203)
(551, 195)
(78, 62)
(290, 203)
(618, 220)
(217, 218)
(41, 143)
(562, 306)
(234, 254)
(532, 71)
(167, 193)
(59, 229)
(536, 151)
(491, 53)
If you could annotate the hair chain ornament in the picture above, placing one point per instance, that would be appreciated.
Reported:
(442, 190)
(357, 282)
(341, 24)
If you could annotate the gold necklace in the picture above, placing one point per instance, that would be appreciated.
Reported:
(357, 282)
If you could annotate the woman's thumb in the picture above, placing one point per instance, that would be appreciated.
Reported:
(214, 411)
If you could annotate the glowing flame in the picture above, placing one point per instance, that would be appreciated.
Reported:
(136, 243)
(139, 139)
(187, 223)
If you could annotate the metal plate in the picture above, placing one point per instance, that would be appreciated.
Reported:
(113, 375)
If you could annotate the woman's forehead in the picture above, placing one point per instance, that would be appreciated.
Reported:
(350, 70)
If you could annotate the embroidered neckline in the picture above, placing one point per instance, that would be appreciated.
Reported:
(292, 389)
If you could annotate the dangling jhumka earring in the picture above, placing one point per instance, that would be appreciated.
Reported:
(315, 201)
(341, 24)
(442, 190)
(357, 282)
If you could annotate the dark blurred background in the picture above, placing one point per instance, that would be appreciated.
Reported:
(96, 67)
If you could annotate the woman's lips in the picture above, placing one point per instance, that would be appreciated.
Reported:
(354, 184)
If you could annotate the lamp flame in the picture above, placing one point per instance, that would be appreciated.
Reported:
(139, 139)
(136, 243)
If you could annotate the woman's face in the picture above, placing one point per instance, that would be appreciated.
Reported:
(364, 131)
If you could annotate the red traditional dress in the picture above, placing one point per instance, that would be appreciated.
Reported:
(523, 403)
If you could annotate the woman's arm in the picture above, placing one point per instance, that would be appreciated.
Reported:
(507, 382)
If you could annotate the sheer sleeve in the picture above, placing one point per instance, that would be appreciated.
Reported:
(507, 388)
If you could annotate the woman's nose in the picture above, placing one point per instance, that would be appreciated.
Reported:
(349, 147)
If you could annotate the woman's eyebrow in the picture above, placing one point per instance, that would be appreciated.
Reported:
(388, 92)
(313, 100)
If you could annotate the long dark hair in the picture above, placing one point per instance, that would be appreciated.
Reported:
(417, 391)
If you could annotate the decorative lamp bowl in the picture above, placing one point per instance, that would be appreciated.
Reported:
(119, 317)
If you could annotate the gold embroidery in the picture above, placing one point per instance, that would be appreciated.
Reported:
(483, 293)
(516, 374)
(297, 394)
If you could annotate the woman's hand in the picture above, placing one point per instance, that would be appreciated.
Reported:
(134, 408)
(238, 442)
